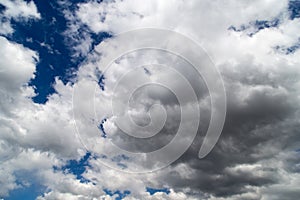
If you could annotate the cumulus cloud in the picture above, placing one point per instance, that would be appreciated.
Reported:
(29, 141)
(18, 10)
(262, 101)
(257, 156)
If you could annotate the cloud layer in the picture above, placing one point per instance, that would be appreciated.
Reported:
(257, 156)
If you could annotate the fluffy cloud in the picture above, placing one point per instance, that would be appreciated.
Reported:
(262, 100)
(257, 156)
(31, 139)
(17, 10)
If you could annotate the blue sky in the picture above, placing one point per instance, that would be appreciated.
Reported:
(47, 36)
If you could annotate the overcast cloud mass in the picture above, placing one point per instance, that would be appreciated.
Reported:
(57, 126)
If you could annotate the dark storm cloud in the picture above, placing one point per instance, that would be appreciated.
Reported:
(259, 125)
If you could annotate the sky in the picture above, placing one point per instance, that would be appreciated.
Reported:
(151, 99)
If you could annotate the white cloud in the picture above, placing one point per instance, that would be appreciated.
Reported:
(18, 10)
(32, 135)
(17, 65)
(211, 17)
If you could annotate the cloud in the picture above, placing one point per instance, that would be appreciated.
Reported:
(14, 77)
(262, 100)
(18, 10)
(29, 141)
(256, 156)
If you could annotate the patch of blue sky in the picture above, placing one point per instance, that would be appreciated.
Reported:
(26, 193)
(255, 26)
(77, 167)
(2, 8)
(294, 9)
(101, 78)
(101, 128)
(56, 50)
(120, 195)
(288, 49)
(29, 187)
(152, 191)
